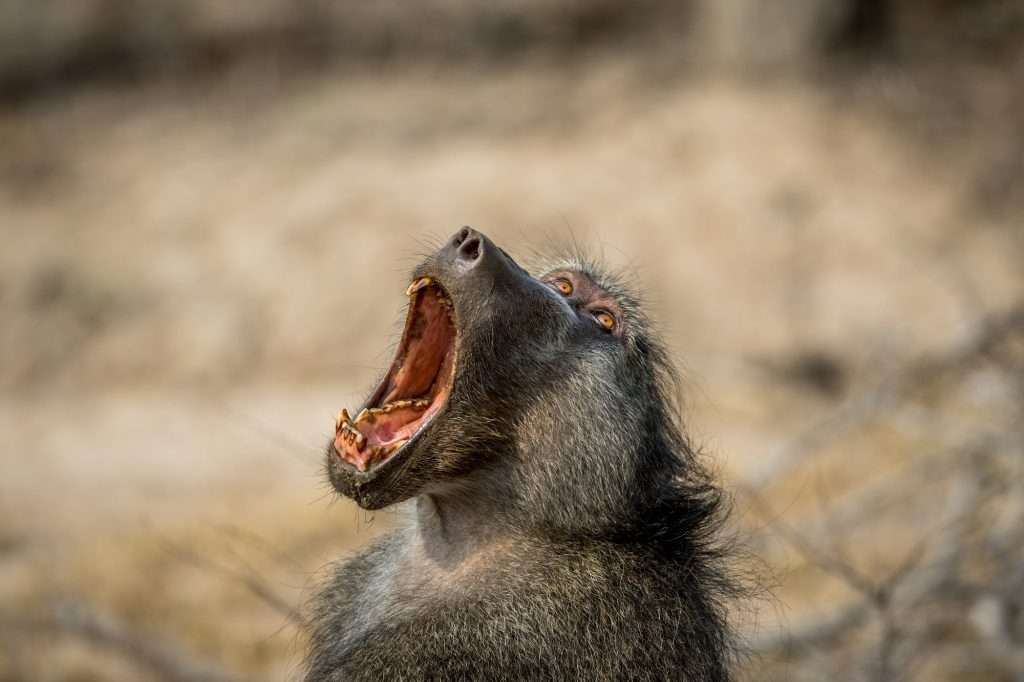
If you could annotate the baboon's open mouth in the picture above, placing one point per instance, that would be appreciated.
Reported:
(415, 388)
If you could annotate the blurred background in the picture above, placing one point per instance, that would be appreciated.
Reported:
(208, 212)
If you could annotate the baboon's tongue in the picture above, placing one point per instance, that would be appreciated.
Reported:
(415, 388)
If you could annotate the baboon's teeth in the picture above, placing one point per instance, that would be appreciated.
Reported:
(418, 404)
(364, 415)
(417, 284)
(353, 436)
(388, 449)
(341, 419)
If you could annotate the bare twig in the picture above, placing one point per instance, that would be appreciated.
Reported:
(893, 390)
(167, 660)
(248, 579)
(892, 597)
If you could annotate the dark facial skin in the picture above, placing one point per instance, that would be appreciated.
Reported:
(563, 526)
(587, 299)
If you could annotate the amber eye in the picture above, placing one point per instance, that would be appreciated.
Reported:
(605, 319)
(564, 286)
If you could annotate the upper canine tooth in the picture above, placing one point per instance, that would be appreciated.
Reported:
(364, 414)
(342, 418)
(418, 284)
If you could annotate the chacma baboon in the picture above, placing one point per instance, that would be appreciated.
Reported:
(563, 527)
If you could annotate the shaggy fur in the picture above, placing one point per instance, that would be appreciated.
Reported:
(563, 528)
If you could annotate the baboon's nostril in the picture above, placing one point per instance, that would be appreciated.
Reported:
(470, 249)
(460, 237)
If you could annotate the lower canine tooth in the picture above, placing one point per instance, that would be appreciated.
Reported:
(365, 414)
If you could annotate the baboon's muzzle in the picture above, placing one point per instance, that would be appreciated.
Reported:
(368, 449)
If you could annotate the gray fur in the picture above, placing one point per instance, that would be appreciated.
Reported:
(563, 526)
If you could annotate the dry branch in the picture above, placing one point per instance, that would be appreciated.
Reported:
(892, 391)
(247, 577)
(164, 659)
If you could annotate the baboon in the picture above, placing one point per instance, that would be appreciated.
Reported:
(563, 526)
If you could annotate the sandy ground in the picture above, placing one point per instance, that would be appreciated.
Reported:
(194, 281)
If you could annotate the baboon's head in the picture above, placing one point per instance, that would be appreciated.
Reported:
(525, 383)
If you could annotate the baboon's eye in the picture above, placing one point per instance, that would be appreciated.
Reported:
(564, 286)
(605, 319)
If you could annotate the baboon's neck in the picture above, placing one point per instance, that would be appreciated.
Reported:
(454, 527)
(485, 508)
(515, 500)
